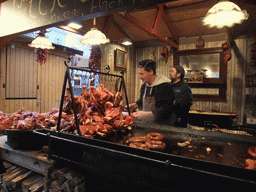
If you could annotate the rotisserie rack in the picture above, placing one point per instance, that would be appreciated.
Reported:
(97, 111)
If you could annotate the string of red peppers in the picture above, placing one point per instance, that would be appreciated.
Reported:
(95, 58)
(41, 55)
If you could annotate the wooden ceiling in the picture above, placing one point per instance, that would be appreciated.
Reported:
(167, 22)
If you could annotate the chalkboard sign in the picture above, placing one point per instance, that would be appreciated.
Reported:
(19, 16)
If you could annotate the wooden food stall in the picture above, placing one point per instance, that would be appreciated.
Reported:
(54, 139)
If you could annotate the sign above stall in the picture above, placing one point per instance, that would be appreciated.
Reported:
(22, 16)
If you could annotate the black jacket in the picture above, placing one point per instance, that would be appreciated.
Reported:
(182, 103)
(164, 97)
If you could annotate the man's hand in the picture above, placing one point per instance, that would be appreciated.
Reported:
(131, 107)
(143, 115)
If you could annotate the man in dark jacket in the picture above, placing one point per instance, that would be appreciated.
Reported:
(156, 95)
(183, 97)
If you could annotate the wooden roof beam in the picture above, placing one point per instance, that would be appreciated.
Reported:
(121, 30)
(167, 22)
(134, 21)
(155, 21)
(106, 24)
(4, 41)
(148, 29)
(176, 4)
(231, 38)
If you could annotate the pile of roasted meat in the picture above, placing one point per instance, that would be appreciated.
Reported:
(251, 163)
(29, 120)
(98, 111)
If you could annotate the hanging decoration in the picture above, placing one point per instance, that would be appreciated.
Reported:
(224, 13)
(164, 53)
(41, 43)
(95, 58)
(152, 55)
(200, 43)
(226, 51)
(41, 56)
(94, 36)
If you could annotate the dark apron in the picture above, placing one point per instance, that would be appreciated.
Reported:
(148, 102)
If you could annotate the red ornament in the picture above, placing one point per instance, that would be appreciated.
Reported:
(41, 56)
(164, 53)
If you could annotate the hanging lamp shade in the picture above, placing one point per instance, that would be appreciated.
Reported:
(224, 13)
(42, 43)
(94, 36)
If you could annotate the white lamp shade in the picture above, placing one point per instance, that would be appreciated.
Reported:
(42, 43)
(94, 37)
(223, 14)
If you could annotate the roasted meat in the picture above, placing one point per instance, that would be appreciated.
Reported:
(98, 112)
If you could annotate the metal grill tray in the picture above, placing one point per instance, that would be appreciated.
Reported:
(111, 158)
(25, 139)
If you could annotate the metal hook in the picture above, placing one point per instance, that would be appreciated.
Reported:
(107, 68)
(84, 72)
(76, 73)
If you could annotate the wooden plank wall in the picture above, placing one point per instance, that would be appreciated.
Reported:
(250, 70)
(21, 73)
(161, 67)
(235, 72)
(132, 81)
(107, 52)
(14, 58)
(48, 76)
(51, 75)
(51, 78)
(2, 78)
(235, 76)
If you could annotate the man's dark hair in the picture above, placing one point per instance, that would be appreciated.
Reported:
(148, 65)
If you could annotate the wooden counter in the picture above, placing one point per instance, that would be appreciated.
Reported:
(204, 118)
(32, 160)
(213, 113)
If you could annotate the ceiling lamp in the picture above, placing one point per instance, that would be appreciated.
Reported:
(41, 42)
(224, 13)
(126, 41)
(94, 36)
(74, 25)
